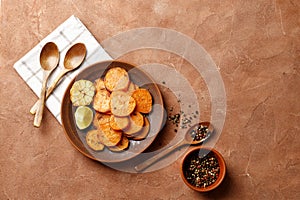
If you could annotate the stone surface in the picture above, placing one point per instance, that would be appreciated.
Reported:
(256, 47)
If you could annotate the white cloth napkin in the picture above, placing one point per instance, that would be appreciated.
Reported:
(70, 32)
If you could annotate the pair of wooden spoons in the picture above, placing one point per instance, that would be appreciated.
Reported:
(49, 59)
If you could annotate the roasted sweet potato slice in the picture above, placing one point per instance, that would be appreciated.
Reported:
(143, 100)
(102, 101)
(109, 136)
(142, 134)
(118, 123)
(100, 118)
(116, 78)
(121, 103)
(93, 141)
(136, 123)
(99, 84)
(122, 145)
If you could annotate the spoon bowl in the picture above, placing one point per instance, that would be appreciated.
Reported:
(49, 56)
(192, 140)
(75, 56)
(73, 59)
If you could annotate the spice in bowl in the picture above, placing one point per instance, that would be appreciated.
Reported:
(203, 172)
(203, 169)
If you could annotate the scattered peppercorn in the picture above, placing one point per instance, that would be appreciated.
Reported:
(202, 171)
(181, 119)
(174, 118)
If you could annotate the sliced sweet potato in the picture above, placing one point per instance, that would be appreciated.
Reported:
(131, 88)
(109, 136)
(118, 123)
(122, 145)
(143, 100)
(136, 123)
(100, 118)
(121, 103)
(102, 101)
(116, 78)
(93, 141)
(142, 134)
(99, 84)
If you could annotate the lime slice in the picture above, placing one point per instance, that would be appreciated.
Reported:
(83, 117)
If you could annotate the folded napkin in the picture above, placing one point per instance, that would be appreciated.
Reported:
(70, 32)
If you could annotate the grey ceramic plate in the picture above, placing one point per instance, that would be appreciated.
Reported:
(77, 137)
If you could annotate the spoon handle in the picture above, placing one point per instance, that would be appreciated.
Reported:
(39, 114)
(49, 91)
(158, 156)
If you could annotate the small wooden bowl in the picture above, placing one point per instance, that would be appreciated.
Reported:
(205, 150)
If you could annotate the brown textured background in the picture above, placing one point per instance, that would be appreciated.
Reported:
(256, 46)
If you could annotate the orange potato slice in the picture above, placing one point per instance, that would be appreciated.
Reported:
(122, 145)
(121, 103)
(100, 118)
(116, 78)
(136, 123)
(131, 88)
(143, 100)
(118, 123)
(99, 84)
(142, 134)
(109, 136)
(136, 87)
(102, 101)
(93, 141)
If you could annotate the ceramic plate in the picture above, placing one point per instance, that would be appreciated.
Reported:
(77, 137)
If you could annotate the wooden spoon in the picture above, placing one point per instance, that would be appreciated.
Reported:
(73, 59)
(49, 58)
(188, 140)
